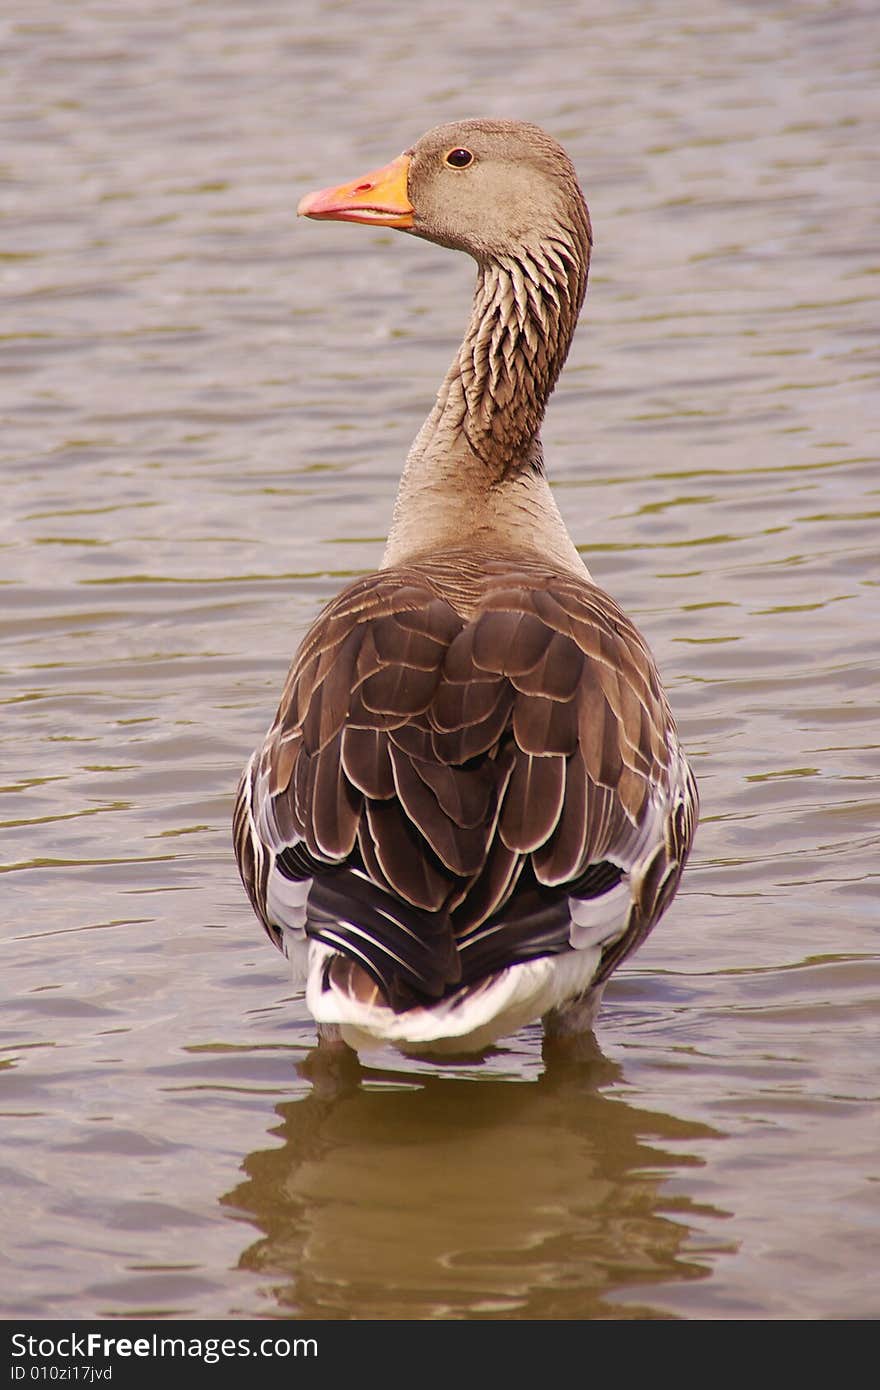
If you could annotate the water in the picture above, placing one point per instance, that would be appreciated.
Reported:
(205, 407)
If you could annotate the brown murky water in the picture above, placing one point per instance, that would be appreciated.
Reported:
(205, 406)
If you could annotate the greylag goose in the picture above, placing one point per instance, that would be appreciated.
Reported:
(472, 804)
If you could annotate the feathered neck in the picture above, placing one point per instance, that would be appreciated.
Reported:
(482, 438)
(524, 316)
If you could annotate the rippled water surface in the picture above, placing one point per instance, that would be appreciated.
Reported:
(205, 406)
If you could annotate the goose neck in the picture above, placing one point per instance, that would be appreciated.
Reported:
(495, 392)
(475, 473)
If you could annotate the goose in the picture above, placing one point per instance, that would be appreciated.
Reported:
(472, 804)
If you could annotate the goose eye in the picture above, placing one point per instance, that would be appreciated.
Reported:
(459, 159)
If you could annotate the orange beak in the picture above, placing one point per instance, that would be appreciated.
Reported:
(379, 197)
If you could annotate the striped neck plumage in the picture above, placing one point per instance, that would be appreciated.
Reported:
(524, 316)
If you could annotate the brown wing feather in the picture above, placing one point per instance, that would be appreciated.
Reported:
(533, 803)
(366, 762)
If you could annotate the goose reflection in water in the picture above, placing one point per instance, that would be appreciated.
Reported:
(410, 1196)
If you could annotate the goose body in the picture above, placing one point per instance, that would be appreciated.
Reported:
(472, 804)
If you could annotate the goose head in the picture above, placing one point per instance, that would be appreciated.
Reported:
(495, 189)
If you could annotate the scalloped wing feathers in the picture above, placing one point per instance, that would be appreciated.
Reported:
(469, 767)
